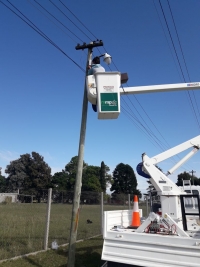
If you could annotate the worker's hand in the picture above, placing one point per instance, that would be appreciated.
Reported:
(89, 67)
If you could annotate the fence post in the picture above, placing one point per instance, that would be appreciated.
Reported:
(102, 217)
(46, 237)
(129, 201)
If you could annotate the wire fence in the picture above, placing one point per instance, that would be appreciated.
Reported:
(29, 223)
(34, 222)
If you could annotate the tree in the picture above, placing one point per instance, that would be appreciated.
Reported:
(17, 173)
(124, 180)
(60, 181)
(2, 182)
(90, 176)
(39, 172)
(187, 176)
(105, 178)
(90, 181)
(30, 173)
(71, 169)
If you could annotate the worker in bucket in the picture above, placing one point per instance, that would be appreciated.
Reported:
(95, 67)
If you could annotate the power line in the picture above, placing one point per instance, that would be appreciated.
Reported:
(39, 32)
(140, 126)
(48, 39)
(178, 62)
(144, 125)
(151, 121)
(184, 64)
(172, 41)
(177, 54)
(58, 21)
(178, 40)
(151, 136)
(193, 108)
(148, 130)
(69, 19)
(166, 38)
(78, 19)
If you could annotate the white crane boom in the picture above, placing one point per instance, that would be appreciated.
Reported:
(159, 88)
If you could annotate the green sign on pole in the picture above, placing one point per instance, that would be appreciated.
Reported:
(109, 101)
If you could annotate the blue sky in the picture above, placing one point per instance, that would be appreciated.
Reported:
(41, 90)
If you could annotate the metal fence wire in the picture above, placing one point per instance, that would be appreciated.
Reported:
(29, 222)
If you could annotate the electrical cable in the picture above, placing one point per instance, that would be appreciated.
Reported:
(146, 129)
(178, 61)
(166, 38)
(99, 51)
(144, 124)
(48, 39)
(141, 127)
(178, 40)
(149, 131)
(109, 66)
(69, 19)
(58, 20)
(51, 20)
(78, 19)
(185, 66)
(177, 58)
(172, 41)
(40, 32)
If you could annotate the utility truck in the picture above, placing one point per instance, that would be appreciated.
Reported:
(171, 236)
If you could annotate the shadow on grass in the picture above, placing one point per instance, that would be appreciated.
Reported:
(32, 262)
(86, 256)
(79, 251)
(87, 260)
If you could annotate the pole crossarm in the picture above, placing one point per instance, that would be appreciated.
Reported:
(89, 46)
(159, 88)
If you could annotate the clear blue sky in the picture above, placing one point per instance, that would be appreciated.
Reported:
(41, 90)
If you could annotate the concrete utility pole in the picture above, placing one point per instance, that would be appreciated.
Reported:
(78, 183)
(192, 172)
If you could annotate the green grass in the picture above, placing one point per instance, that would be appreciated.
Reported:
(23, 226)
(88, 253)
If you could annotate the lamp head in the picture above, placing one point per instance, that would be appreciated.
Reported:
(107, 58)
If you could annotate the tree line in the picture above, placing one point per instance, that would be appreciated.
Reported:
(30, 174)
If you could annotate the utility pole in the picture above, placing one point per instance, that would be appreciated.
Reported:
(78, 183)
(192, 172)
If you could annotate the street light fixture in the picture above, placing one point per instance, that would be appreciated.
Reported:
(106, 58)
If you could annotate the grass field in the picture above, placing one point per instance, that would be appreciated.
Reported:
(23, 226)
(88, 254)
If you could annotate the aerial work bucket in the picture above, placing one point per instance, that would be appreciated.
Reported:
(108, 96)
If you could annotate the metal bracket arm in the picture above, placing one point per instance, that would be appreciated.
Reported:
(159, 88)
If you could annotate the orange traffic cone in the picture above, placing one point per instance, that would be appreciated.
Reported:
(135, 215)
